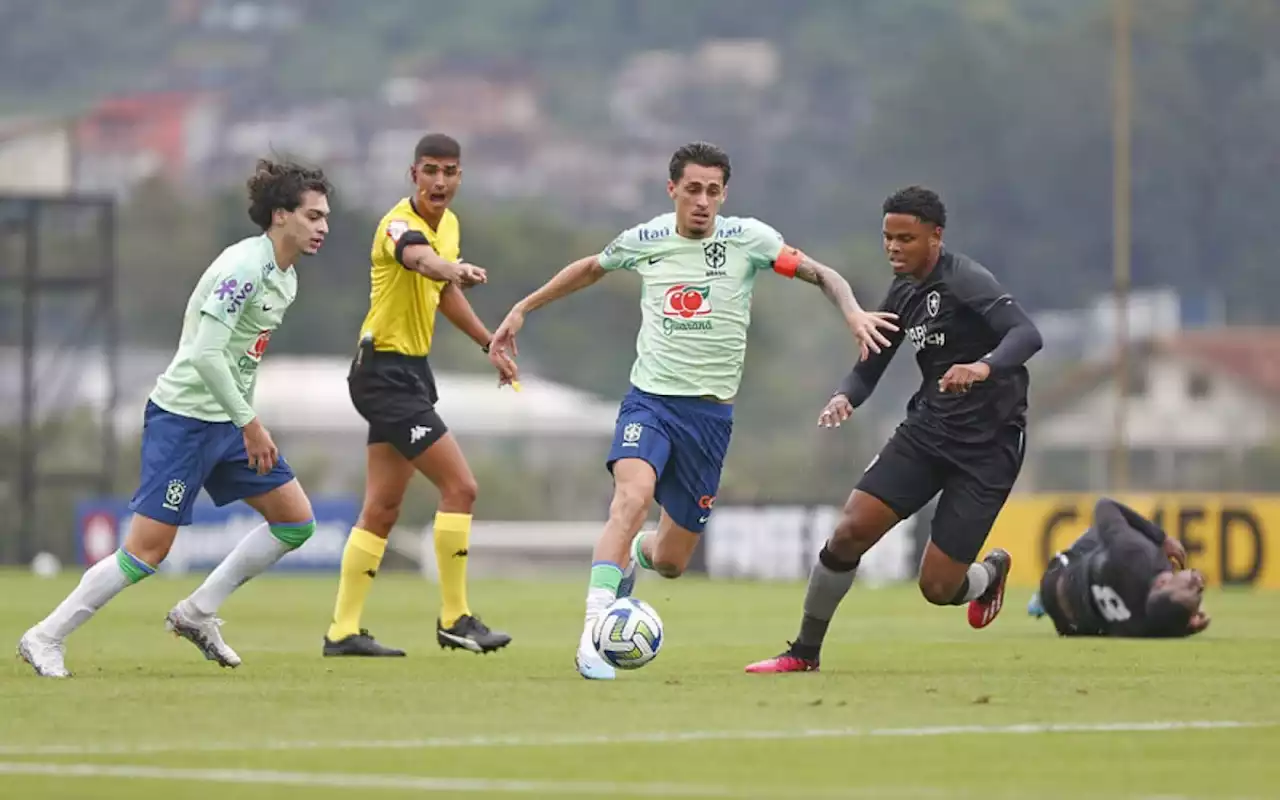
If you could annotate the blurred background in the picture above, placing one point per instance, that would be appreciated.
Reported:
(1114, 163)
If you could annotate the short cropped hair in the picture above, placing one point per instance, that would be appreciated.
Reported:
(1166, 616)
(437, 145)
(704, 154)
(919, 202)
(280, 185)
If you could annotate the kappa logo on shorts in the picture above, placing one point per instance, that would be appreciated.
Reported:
(417, 432)
(631, 434)
(174, 494)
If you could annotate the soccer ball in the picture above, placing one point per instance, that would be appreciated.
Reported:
(629, 633)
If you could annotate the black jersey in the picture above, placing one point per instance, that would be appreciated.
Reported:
(1111, 569)
(959, 314)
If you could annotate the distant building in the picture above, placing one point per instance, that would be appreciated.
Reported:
(37, 155)
(1199, 406)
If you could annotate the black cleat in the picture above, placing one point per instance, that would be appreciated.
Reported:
(359, 644)
(469, 633)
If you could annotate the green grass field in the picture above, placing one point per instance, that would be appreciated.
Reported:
(146, 717)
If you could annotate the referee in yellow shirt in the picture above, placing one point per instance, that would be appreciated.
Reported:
(416, 270)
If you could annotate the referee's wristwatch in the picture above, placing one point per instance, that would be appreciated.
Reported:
(484, 348)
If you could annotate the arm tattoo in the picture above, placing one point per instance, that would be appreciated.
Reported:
(832, 284)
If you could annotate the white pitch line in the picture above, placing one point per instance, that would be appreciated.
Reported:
(560, 788)
(424, 783)
(537, 740)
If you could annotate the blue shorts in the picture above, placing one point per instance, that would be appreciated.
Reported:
(685, 440)
(181, 455)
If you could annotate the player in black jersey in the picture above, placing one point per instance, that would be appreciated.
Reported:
(963, 436)
(1123, 577)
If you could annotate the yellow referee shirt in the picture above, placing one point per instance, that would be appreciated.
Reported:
(402, 303)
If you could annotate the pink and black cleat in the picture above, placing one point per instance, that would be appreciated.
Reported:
(984, 610)
(786, 662)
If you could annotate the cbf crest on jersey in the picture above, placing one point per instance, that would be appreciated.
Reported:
(932, 302)
(715, 255)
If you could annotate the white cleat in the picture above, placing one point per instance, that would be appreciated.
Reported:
(202, 631)
(44, 654)
(589, 663)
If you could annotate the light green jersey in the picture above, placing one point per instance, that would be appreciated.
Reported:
(244, 290)
(695, 301)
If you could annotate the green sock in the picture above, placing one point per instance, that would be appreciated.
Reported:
(603, 589)
(605, 575)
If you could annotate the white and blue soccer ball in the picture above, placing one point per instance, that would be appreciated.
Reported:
(629, 633)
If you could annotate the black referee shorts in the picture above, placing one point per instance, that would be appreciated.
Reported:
(974, 478)
(396, 395)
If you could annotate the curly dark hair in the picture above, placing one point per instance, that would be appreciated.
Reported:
(921, 203)
(281, 184)
(704, 154)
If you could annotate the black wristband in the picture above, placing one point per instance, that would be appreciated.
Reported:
(484, 348)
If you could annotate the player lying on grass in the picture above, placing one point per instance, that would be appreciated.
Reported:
(963, 434)
(1123, 577)
(200, 429)
(697, 274)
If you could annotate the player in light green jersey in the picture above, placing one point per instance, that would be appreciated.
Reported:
(200, 430)
(697, 274)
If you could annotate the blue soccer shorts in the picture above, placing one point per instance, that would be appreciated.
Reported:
(685, 440)
(181, 455)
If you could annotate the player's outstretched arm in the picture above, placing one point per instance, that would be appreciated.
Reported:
(861, 381)
(575, 277)
(869, 328)
(416, 254)
(457, 309)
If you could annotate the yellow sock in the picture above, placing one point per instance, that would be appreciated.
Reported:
(451, 534)
(360, 560)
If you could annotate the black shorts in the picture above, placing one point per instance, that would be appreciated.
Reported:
(974, 479)
(396, 395)
(1071, 616)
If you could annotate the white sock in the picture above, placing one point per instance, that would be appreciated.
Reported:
(255, 553)
(101, 582)
(598, 600)
(979, 580)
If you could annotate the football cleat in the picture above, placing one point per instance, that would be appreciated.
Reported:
(359, 644)
(469, 633)
(588, 661)
(44, 654)
(984, 610)
(627, 586)
(1035, 608)
(786, 662)
(202, 631)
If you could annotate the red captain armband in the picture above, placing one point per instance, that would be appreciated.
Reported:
(788, 261)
